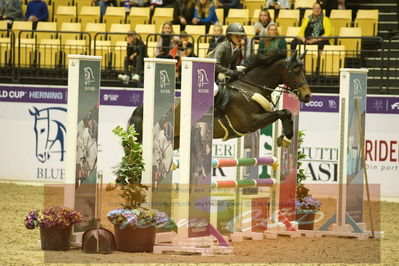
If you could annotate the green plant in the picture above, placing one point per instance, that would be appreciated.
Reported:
(304, 201)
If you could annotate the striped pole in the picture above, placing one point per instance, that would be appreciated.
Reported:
(232, 162)
(243, 183)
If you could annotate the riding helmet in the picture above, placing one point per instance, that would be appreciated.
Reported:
(235, 28)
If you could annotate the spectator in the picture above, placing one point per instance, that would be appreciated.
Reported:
(183, 13)
(104, 4)
(271, 43)
(186, 48)
(277, 5)
(264, 20)
(204, 14)
(315, 26)
(135, 52)
(217, 30)
(227, 4)
(36, 11)
(166, 42)
(11, 10)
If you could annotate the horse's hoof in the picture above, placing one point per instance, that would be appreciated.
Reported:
(280, 141)
(286, 142)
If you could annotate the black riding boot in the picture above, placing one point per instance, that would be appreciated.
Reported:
(221, 100)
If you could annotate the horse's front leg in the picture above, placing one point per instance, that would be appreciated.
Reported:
(265, 119)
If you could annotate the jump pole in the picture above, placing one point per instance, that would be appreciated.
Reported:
(348, 219)
(84, 78)
(159, 99)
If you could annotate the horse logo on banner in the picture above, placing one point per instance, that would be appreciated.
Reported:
(49, 132)
(89, 76)
(164, 79)
(202, 78)
(357, 86)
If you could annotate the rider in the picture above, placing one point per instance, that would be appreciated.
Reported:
(226, 53)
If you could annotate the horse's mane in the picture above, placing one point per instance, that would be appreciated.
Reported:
(268, 59)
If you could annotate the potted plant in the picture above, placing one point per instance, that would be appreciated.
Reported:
(55, 225)
(305, 205)
(135, 226)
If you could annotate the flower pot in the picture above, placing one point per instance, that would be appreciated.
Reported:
(56, 238)
(135, 239)
(305, 219)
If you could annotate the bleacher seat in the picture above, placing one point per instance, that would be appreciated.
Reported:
(49, 53)
(287, 18)
(162, 15)
(93, 29)
(220, 14)
(367, 20)
(238, 15)
(89, 14)
(304, 4)
(144, 30)
(352, 46)
(138, 15)
(74, 47)
(203, 49)
(45, 26)
(118, 55)
(25, 52)
(65, 14)
(5, 51)
(252, 5)
(66, 26)
(340, 18)
(103, 49)
(81, 3)
(332, 58)
(18, 26)
(122, 28)
(114, 15)
(311, 57)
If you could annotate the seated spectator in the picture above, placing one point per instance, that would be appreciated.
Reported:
(277, 5)
(314, 26)
(36, 11)
(104, 4)
(11, 10)
(183, 13)
(135, 52)
(186, 48)
(264, 20)
(227, 4)
(217, 30)
(272, 43)
(205, 14)
(166, 42)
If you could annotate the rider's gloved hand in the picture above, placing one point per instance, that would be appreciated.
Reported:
(236, 74)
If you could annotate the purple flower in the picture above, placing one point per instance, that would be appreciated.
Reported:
(141, 217)
(52, 216)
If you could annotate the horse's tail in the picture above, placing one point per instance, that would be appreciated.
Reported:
(136, 119)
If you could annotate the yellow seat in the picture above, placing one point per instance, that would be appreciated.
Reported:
(65, 14)
(81, 3)
(303, 4)
(249, 30)
(203, 49)
(3, 24)
(255, 15)
(238, 15)
(45, 26)
(50, 13)
(253, 5)
(19, 26)
(119, 54)
(89, 14)
(367, 20)
(138, 15)
(5, 51)
(332, 58)
(195, 31)
(220, 14)
(102, 48)
(162, 15)
(114, 15)
(25, 52)
(151, 47)
(144, 30)
(123, 29)
(57, 3)
(352, 46)
(74, 47)
(72, 27)
(93, 29)
(292, 32)
(339, 19)
(287, 18)
(49, 53)
(311, 57)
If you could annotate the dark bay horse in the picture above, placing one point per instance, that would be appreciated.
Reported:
(244, 112)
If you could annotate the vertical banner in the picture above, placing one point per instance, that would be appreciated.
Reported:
(81, 157)
(158, 130)
(196, 133)
(288, 159)
(353, 88)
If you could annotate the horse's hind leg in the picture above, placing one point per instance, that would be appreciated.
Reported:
(288, 127)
